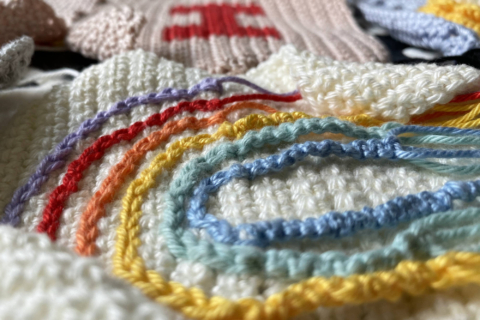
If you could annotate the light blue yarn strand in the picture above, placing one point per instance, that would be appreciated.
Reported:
(263, 233)
(275, 263)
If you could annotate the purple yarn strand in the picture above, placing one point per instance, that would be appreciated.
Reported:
(56, 159)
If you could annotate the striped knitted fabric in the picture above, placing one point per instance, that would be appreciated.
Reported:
(33, 18)
(223, 36)
(76, 173)
(14, 59)
(406, 24)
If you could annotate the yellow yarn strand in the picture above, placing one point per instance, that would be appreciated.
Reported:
(466, 121)
(466, 14)
(411, 277)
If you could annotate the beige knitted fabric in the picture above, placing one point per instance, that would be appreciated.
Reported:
(33, 18)
(222, 36)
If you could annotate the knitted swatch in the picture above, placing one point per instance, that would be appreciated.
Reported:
(404, 23)
(394, 92)
(223, 37)
(14, 60)
(110, 151)
(33, 18)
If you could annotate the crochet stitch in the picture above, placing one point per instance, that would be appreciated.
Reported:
(297, 193)
(186, 246)
(121, 25)
(393, 92)
(206, 310)
(56, 159)
(404, 23)
(14, 60)
(60, 195)
(223, 37)
(331, 224)
(95, 209)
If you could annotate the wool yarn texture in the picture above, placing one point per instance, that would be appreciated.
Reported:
(222, 36)
(148, 284)
(321, 185)
(40, 267)
(33, 18)
(15, 57)
(405, 23)
(241, 260)
(58, 284)
(384, 91)
(57, 158)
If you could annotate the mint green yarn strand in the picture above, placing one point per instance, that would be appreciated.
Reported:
(271, 263)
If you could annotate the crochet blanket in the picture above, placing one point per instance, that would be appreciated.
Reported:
(90, 175)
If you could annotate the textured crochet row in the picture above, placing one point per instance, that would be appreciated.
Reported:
(394, 92)
(60, 195)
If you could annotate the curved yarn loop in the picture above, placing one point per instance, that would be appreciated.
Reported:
(56, 159)
(332, 224)
(69, 185)
(450, 269)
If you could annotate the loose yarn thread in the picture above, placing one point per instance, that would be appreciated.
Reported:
(60, 195)
(332, 224)
(56, 159)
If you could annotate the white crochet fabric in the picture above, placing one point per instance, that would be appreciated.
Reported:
(314, 186)
(393, 92)
(15, 57)
(41, 280)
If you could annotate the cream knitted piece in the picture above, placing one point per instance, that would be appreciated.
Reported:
(15, 57)
(40, 280)
(343, 185)
(33, 18)
(386, 91)
(227, 36)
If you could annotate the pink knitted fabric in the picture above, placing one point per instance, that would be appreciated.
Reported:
(33, 18)
(223, 36)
